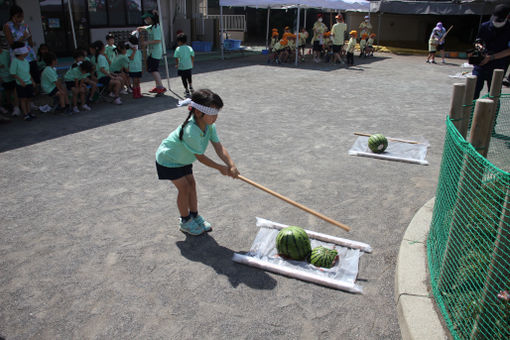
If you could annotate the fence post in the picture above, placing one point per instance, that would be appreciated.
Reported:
(495, 94)
(456, 109)
(499, 267)
(468, 104)
(469, 180)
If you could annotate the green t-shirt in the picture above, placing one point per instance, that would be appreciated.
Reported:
(120, 62)
(21, 68)
(155, 50)
(5, 62)
(174, 153)
(184, 54)
(109, 51)
(102, 63)
(48, 79)
(338, 30)
(73, 74)
(135, 65)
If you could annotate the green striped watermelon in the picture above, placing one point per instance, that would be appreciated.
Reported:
(377, 143)
(323, 257)
(293, 242)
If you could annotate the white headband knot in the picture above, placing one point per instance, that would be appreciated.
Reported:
(132, 45)
(205, 109)
(21, 50)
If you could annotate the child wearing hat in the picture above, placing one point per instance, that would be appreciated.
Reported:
(303, 36)
(350, 47)
(370, 45)
(318, 37)
(363, 45)
(337, 35)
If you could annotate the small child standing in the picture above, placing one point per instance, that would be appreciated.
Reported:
(184, 59)
(303, 36)
(135, 65)
(350, 47)
(110, 48)
(363, 45)
(20, 70)
(8, 83)
(50, 83)
(74, 82)
(370, 45)
(187, 143)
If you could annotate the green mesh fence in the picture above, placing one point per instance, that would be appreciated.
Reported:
(469, 242)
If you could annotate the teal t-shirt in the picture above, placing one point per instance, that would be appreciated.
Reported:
(119, 62)
(48, 78)
(184, 54)
(102, 63)
(73, 74)
(5, 62)
(174, 153)
(110, 52)
(155, 50)
(21, 68)
(135, 65)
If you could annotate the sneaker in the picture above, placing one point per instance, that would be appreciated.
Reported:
(16, 112)
(154, 90)
(111, 94)
(117, 101)
(160, 90)
(187, 93)
(28, 117)
(33, 107)
(191, 227)
(86, 107)
(75, 109)
(203, 223)
(45, 108)
(433, 62)
(123, 91)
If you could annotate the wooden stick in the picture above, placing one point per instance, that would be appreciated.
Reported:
(444, 36)
(297, 205)
(393, 139)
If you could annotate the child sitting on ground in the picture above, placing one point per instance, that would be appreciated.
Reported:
(184, 59)
(50, 83)
(20, 70)
(74, 82)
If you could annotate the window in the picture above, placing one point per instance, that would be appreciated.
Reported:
(97, 13)
(134, 12)
(118, 13)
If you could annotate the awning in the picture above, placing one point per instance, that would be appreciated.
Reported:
(458, 7)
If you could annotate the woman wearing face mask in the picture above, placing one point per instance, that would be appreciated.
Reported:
(318, 37)
(16, 30)
(365, 27)
(495, 34)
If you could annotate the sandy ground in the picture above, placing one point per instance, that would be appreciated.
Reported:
(89, 245)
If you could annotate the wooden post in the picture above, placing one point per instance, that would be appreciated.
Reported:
(456, 109)
(498, 270)
(469, 93)
(494, 94)
(470, 179)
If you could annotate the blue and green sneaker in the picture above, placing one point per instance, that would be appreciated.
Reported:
(203, 223)
(191, 227)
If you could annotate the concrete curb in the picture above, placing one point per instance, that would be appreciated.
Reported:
(415, 306)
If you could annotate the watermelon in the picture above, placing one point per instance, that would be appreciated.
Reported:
(377, 143)
(323, 257)
(293, 242)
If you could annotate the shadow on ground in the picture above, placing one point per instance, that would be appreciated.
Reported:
(205, 249)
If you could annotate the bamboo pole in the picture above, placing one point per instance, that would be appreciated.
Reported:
(294, 203)
(469, 93)
(494, 94)
(456, 106)
(393, 139)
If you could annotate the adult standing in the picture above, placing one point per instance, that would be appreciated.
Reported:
(155, 48)
(338, 34)
(365, 27)
(319, 28)
(440, 33)
(16, 30)
(495, 35)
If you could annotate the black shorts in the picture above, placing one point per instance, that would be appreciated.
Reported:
(317, 46)
(9, 86)
(25, 92)
(173, 173)
(53, 92)
(184, 73)
(440, 47)
(152, 64)
(337, 48)
(104, 80)
(135, 74)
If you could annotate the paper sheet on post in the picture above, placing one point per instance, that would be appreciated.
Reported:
(396, 151)
(342, 275)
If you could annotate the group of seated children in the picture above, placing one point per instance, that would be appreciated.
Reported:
(114, 69)
(282, 48)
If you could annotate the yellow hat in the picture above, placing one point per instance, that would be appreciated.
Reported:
(364, 36)
(283, 42)
(275, 34)
(327, 34)
(353, 32)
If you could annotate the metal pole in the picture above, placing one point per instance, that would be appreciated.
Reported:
(379, 29)
(297, 36)
(221, 32)
(304, 19)
(267, 28)
(72, 23)
(163, 43)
